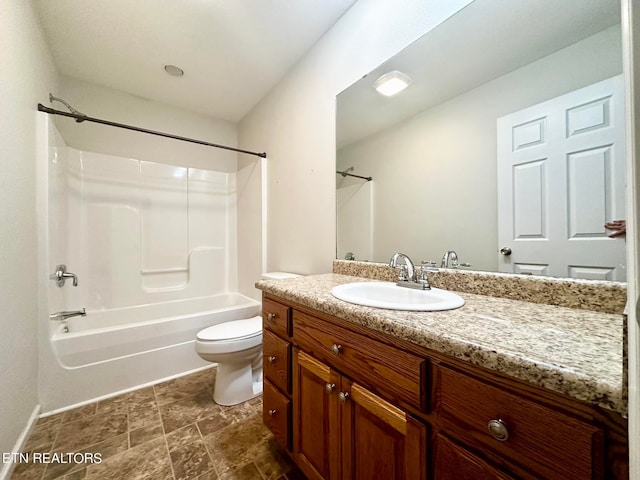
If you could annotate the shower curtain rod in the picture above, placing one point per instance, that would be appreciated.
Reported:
(82, 118)
(344, 174)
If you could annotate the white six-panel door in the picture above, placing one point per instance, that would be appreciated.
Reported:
(561, 170)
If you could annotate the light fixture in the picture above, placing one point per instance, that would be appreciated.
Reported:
(173, 70)
(392, 83)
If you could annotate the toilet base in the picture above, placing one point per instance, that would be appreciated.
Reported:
(237, 382)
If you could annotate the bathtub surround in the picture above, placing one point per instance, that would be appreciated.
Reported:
(154, 248)
(597, 296)
(172, 430)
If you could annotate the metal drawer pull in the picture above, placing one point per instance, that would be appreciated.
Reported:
(336, 348)
(343, 397)
(330, 387)
(273, 411)
(271, 358)
(498, 430)
(271, 316)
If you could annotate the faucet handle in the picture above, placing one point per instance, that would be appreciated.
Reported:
(402, 276)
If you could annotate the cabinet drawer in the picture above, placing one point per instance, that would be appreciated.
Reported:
(399, 375)
(277, 361)
(453, 462)
(548, 442)
(276, 317)
(276, 414)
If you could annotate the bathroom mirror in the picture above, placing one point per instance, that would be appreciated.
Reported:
(467, 157)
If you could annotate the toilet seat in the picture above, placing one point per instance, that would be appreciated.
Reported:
(233, 336)
(233, 330)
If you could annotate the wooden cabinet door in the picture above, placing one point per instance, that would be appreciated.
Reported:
(452, 462)
(316, 417)
(378, 439)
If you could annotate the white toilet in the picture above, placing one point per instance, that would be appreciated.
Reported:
(236, 347)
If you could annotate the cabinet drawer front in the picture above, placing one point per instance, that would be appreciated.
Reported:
(277, 361)
(453, 462)
(276, 317)
(276, 414)
(384, 368)
(548, 442)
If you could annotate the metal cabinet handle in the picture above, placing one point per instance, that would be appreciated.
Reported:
(271, 316)
(336, 348)
(498, 429)
(271, 358)
(343, 397)
(273, 411)
(330, 387)
(506, 251)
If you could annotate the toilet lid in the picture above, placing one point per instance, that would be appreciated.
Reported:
(234, 330)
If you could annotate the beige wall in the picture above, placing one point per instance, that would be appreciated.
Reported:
(116, 106)
(28, 75)
(295, 124)
(435, 173)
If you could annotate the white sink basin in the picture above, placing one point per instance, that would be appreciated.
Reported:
(389, 295)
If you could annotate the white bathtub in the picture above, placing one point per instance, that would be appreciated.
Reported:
(133, 332)
(113, 351)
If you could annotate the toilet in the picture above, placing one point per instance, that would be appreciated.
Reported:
(236, 346)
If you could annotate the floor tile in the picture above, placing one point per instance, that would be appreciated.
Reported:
(177, 389)
(171, 431)
(190, 461)
(42, 437)
(274, 462)
(238, 444)
(147, 461)
(89, 430)
(144, 434)
(78, 475)
(143, 415)
(79, 413)
(188, 410)
(28, 471)
(183, 436)
(242, 472)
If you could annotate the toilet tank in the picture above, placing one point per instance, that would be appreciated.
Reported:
(278, 275)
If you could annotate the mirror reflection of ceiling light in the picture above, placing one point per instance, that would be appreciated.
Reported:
(392, 83)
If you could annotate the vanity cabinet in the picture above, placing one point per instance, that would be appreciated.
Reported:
(349, 402)
(341, 430)
(276, 351)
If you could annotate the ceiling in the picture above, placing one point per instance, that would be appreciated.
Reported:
(484, 40)
(233, 52)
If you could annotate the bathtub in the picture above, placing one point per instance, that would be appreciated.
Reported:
(110, 352)
(133, 332)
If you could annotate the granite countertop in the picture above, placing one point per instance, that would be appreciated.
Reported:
(574, 352)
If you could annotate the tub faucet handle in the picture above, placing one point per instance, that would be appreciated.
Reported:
(60, 276)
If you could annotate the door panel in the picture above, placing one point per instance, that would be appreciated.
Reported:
(561, 177)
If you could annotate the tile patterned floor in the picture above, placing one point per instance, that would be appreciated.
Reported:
(170, 431)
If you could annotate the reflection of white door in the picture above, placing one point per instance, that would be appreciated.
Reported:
(561, 167)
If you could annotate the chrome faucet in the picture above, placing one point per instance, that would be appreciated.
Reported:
(450, 260)
(410, 269)
(409, 276)
(60, 276)
(64, 315)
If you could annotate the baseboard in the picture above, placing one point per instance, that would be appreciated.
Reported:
(7, 468)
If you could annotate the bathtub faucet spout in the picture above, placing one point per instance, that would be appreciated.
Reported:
(61, 316)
